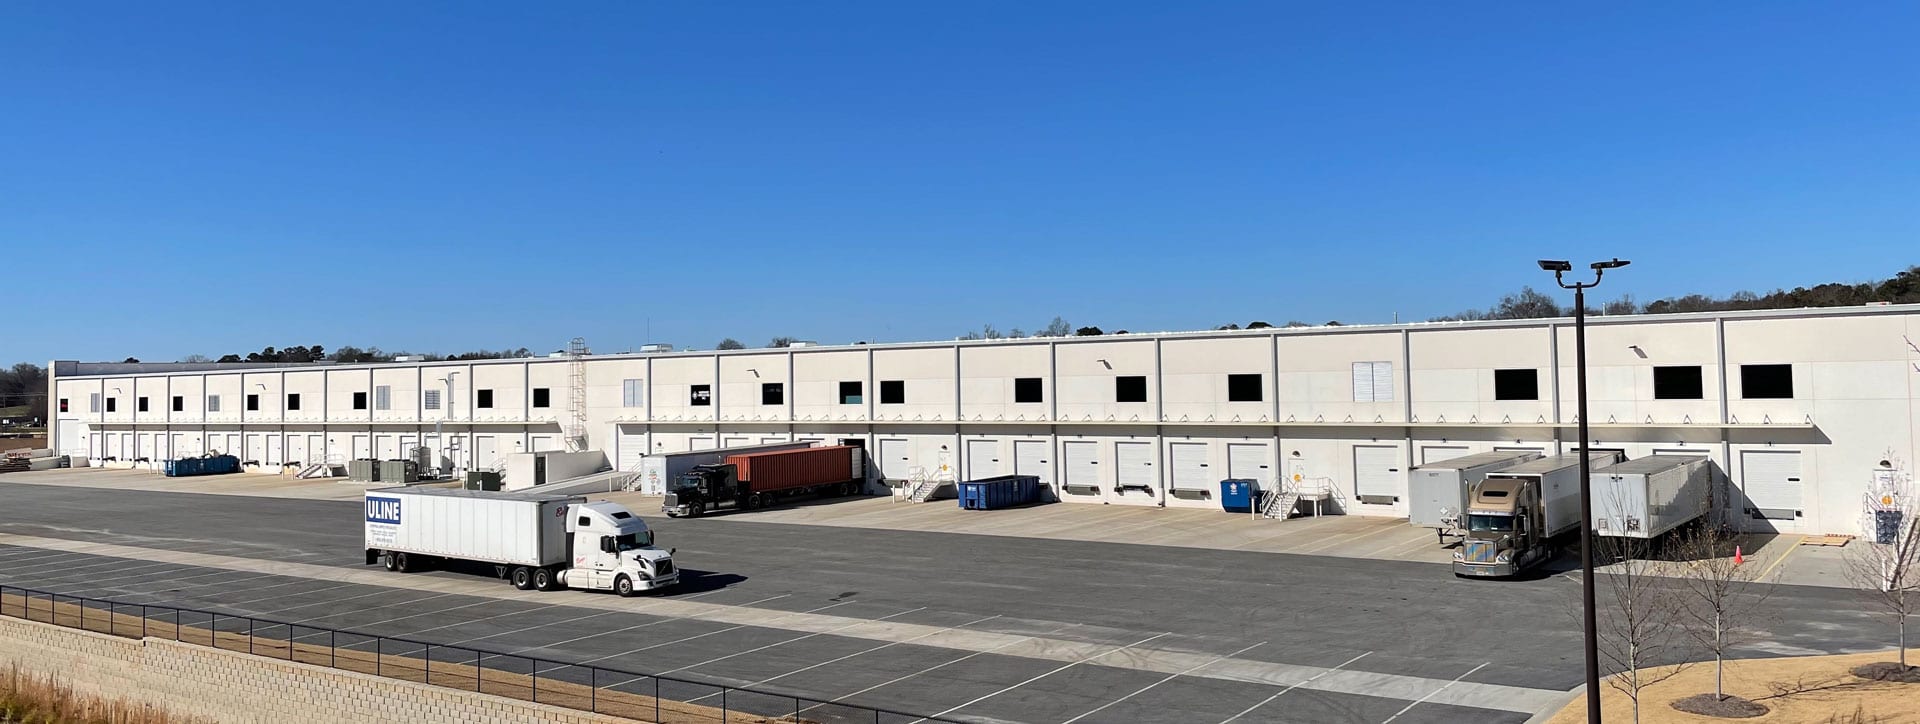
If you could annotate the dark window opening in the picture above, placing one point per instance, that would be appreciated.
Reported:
(1130, 389)
(483, 399)
(541, 398)
(293, 401)
(702, 396)
(1677, 383)
(359, 400)
(179, 404)
(110, 403)
(773, 393)
(1243, 388)
(1766, 382)
(893, 392)
(1027, 389)
(140, 405)
(850, 393)
(1516, 384)
(253, 403)
(63, 404)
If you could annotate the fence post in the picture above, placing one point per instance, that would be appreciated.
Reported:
(536, 679)
(429, 656)
(723, 705)
(656, 700)
(330, 651)
(479, 683)
(249, 635)
(376, 656)
(593, 689)
(143, 620)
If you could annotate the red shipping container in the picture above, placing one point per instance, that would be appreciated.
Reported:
(783, 469)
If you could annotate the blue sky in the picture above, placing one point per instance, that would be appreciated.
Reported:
(181, 178)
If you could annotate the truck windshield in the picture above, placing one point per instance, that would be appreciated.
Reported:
(633, 541)
(686, 483)
(1490, 523)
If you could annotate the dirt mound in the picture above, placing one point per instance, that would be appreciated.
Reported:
(1732, 707)
(1888, 671)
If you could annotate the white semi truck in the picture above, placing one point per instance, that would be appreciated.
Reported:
(1517, 517)
(537, 541)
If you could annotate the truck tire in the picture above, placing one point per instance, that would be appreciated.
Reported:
(754, 502)
(386, 560)
(522, 578)
(543, 579)
(623, 586)
(401, 562)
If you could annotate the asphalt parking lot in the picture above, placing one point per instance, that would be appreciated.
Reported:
(977, 627)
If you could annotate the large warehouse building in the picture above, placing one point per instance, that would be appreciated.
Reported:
(1797, 407)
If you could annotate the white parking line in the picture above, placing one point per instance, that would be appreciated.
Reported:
(1170, 677)
(27, 554)
(554, 623)
(381, 592)
(482, 602)
(17, 572)
(779, 643)
(871, 650)
(1443, 687)
(899, 679)
(615, 631)
(682, 640)
(1250, 709)
(1049, 673)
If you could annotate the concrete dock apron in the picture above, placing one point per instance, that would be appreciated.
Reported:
(1164, 661)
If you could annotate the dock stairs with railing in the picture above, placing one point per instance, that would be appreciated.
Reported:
(924, 486)
(1321, 492)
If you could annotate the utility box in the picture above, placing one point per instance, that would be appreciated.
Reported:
(1237, 495)
(399, 471)
(1438, 490)
(363, 471)
(1004, 491)
(483, 480)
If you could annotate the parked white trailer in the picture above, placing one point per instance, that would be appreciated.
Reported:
(537, 541)
(1652, 495)
(656, 471)
(1438, 490)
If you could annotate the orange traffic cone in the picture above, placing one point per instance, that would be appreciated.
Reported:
(1737, 558)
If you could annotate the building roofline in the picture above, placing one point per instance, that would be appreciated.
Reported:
(1596, 320)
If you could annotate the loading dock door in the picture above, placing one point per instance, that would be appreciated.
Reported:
(273, 450)
(1188, 461)
(894, 460)
(1431, 454)
(1133, 463)
(70, 441)
(387, 446)
(700, 443)
(1082, 466)
(1246, 461)
(1030, 458)
(297, 450)
(633, 447)
(486, 452)
(1771, 481)
(1376, 473)
(983, 459)
(771, 440)
(736, 441)
(361, 451)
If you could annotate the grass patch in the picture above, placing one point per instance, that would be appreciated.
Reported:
(44, 700)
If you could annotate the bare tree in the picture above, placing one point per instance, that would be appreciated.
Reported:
(1056, 328)
(1623, 305)
(1722, 601)
(196, 358)
(729, 343)
(1886, 568)
(1639, 618)
(777, 342)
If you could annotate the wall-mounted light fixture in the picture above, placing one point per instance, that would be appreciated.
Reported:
(1641, 353)
(1106, 364)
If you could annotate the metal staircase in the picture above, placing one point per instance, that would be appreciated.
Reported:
(577, 395)
(1281, 504)
(927, 485)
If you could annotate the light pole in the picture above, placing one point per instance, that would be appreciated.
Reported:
(1559, 269)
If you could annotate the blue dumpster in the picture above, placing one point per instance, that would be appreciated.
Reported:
(215, 465)
(1003, 491)
(1237, 494)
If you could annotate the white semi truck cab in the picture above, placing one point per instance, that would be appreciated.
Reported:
(536, 541)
